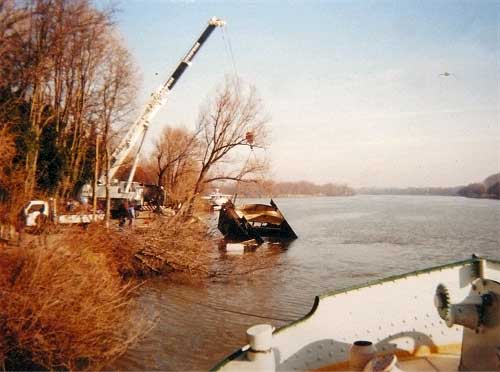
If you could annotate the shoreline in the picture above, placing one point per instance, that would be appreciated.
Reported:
(76, 281)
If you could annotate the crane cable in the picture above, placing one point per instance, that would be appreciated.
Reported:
(229, 52)
(229, 49)
(235, 196)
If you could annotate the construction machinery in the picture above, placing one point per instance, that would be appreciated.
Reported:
(129, 190)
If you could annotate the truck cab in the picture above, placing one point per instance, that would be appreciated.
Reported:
(33, 209)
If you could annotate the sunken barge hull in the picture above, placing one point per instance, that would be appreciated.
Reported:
(254, 221)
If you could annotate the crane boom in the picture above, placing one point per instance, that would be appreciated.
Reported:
(140, 127)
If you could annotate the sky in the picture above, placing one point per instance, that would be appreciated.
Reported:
(354, 89)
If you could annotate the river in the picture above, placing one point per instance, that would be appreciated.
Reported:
(342, 242)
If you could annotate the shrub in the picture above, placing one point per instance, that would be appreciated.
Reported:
(63, 308)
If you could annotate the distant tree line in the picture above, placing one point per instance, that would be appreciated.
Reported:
(268, 188)
(443, 191)
(489, 188)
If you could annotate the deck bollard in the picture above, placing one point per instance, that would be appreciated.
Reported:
(360, 354)
(259, 337)
(261, 354)
(383, 363)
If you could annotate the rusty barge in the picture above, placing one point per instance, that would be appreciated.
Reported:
(254, 221)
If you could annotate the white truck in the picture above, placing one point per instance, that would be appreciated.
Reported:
(41, 210)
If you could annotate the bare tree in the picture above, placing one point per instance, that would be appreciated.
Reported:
(11, 178)
(232, 119)
(41, 32)
(91, 48)
(174, 156)
(114, 99)
(13, 32)
(63, 71)
(12, 36)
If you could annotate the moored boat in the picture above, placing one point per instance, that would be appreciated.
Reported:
(216, 199)
(441, 318)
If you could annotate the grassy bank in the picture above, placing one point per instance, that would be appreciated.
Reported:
(67, 298)
(63, 307)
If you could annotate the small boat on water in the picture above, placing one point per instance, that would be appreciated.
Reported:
(443, 318)
(254, 221)
(216, 199)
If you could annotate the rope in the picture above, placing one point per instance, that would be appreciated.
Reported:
(218, 308)
(244, 166)
(226, 48)
(229, 49)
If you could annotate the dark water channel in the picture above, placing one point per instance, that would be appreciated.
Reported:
(342, 242)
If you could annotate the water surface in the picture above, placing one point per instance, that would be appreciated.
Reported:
(342, 242)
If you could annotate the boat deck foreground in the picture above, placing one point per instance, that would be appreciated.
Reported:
(431, 362)
(438, 319)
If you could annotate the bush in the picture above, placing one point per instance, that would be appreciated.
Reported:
(63, 308)
(179, 246)
(118, 247)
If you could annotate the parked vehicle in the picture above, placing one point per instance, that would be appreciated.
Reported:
(37, 212)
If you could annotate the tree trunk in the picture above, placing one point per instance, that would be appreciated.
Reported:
(108, 195)
(197, 189)
(31, 174)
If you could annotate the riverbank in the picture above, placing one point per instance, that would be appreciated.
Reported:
(64, 306)
(69, 296)
(72, 291)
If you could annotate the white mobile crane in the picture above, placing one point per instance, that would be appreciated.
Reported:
(129, 190)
